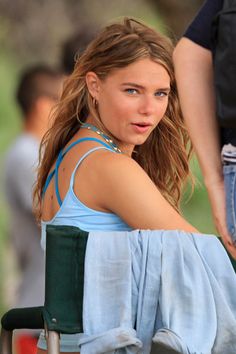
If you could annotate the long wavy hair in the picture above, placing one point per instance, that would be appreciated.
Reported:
(165, 154)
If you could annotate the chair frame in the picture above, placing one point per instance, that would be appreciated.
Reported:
(64, 276)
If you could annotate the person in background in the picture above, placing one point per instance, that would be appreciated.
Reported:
(195, 80)
(38, 91)
(74, 46)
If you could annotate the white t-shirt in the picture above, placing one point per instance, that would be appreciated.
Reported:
(20, 175)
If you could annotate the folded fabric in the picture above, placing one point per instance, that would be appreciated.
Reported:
(169, 287)
(110, 341)
(165, 339)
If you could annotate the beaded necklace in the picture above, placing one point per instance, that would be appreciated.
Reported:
(102, 135)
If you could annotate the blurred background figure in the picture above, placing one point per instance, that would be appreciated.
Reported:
(38, 91)
(74, 46)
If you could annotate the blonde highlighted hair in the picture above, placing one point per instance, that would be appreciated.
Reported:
(165, 154)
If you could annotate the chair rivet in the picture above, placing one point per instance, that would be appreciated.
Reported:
(54, 320)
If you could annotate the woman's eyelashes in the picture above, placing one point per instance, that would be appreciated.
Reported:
(159, 93)
(131, 91)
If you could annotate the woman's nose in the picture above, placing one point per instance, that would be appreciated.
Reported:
(147, 105)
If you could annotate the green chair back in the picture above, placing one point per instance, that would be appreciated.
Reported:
(65, 254)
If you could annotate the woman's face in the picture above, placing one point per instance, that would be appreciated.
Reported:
(132, 101)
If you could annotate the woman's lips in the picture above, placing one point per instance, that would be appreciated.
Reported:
(141, 128)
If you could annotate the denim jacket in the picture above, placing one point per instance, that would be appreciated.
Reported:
(146, 286)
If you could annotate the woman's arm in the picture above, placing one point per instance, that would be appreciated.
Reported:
(119, 185)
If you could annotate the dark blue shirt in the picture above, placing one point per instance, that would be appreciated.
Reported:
(199, 31)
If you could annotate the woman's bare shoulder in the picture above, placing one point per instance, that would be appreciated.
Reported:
(128, 191)
(110, 161)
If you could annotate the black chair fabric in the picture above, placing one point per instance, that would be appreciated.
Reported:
(29, 318)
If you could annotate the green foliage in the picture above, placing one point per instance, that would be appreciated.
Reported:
(9, 114)
(196, 206)
(9, 126)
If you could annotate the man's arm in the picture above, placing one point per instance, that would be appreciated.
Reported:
(194, 74)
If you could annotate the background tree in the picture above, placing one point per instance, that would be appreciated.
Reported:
(35, 29)
(177, 14)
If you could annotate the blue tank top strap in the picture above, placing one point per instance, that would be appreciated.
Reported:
(81, 140)
(83, 157)
(50, 176)
(48, 180)
(59, 160)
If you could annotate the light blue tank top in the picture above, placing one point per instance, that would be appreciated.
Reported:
(72, 211)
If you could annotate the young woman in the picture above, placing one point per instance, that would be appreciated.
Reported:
(116, 155)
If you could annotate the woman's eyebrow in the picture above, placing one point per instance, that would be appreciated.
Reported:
(133, 85)
(167, 89)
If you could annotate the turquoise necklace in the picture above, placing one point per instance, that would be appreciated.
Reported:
(102, 135)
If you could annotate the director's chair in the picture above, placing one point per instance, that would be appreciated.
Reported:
(64, 279)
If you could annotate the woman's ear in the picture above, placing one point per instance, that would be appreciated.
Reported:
(93, 84)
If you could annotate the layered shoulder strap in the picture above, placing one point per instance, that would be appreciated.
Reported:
(60, 158)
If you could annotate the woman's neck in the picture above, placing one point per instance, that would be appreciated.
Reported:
(124, 148)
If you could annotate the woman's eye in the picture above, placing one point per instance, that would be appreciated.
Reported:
(161, 94)
(131, 91)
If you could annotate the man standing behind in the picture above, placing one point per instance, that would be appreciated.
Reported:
(74, 46)
(195, 78)
(38, 91)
